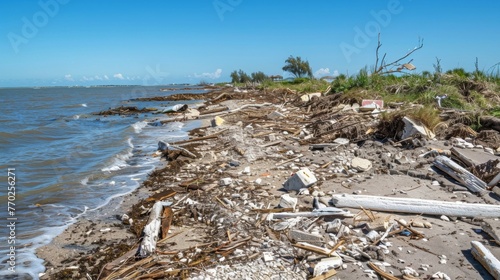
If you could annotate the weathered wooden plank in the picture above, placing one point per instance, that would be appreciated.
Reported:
(166, 221)
(460, 174)
(486, 258)
(416, 206)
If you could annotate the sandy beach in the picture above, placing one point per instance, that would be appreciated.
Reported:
(226, 184)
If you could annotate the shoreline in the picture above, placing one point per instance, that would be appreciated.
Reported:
(63, 248)
(208, 216)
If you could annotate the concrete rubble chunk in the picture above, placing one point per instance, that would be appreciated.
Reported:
(288, 202)
(412, 128)
(327, 264)
(301, 179)
(361, 164)
(302, 236)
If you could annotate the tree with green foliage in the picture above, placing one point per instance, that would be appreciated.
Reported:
(240, 77)
(235, 78)
(244, 78)
(298, 67)
(259, 77)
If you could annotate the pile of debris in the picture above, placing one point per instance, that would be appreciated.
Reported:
(125, 110)
(311, 192)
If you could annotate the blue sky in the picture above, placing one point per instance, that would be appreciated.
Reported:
(77, 42)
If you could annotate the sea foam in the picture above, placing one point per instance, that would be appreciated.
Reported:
(138, 126)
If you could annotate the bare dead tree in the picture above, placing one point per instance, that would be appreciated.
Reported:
(394, 66)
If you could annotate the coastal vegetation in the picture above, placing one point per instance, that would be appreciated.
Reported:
(473, 94)
(240, 77)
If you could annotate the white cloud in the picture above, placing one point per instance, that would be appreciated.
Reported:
(322, 72)
(214, 75)
(68, 77)
(85, 78)
(118, 76)
(97, 77)
(325, 72)
(106, 77)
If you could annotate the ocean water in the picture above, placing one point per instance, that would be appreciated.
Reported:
(68, 162)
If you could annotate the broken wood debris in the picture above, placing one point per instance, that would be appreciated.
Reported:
(238, 222)
(152, 229)
(382, 273)
(416, 206)
(460, 174)
(486, 258)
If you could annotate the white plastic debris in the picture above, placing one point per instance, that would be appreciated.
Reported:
(439, 98)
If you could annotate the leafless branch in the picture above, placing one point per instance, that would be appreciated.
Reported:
(388, 68)
(376, 52)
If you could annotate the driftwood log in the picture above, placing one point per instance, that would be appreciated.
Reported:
(460, 174)
(486, 258)
(490, 122)
(152, 229)
(416, 206)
